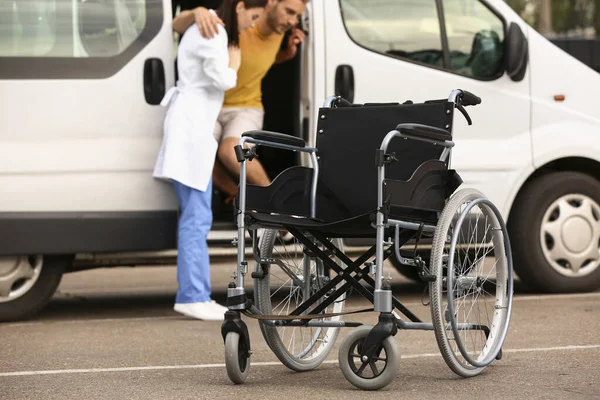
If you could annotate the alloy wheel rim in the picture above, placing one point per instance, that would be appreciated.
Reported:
(18, 275)
(570, 235)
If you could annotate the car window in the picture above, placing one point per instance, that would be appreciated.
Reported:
(404, 28)
(475, 38)
(410, 29)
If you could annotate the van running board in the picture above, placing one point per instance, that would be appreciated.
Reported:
(85, 261)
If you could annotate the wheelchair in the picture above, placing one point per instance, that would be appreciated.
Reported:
(380, 173)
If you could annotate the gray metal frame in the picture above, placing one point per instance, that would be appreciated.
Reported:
(242, 265)
(383, 302)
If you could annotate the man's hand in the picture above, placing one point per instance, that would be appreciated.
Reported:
(207, 22)
(297, 36)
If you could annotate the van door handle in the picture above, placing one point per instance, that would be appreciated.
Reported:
(344, 82)
(154, 81)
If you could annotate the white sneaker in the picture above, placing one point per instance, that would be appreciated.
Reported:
(219, 307)
(205, 311)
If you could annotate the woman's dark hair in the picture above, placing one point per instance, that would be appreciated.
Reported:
(229, 17)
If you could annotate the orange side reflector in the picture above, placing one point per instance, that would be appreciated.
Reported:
(559, 97)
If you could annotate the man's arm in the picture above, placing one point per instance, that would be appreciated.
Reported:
(296, 37)
(183, 20)
(207, 22)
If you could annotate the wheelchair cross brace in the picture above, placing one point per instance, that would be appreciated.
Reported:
(301, 317)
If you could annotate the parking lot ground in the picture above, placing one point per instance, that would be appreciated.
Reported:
(112, 334)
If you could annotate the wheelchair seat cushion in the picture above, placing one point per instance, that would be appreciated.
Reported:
(361, 226)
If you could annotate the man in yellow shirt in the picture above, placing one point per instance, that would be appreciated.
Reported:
(242, 109)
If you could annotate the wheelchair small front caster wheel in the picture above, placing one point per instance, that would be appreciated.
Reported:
(237, 357)
(372, 373)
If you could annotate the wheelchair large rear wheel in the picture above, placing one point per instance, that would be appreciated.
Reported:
(471, 297)
(284, 288)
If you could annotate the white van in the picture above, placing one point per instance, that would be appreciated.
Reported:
(80, 128)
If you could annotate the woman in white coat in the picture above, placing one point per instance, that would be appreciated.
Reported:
(206, 69)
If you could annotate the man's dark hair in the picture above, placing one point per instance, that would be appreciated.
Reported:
(229, 17)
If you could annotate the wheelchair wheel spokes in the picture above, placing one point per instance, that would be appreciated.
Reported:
(472, 295)
(368, 372)
(371, 368)
(301, 342)
(285, 288)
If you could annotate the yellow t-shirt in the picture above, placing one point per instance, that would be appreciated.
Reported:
(258, 55)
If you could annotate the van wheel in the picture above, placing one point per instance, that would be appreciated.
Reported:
(555, 233)
(27, 283)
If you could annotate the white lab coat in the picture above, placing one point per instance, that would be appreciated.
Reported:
(189, 148)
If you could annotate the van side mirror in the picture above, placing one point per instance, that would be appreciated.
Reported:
(517, 53)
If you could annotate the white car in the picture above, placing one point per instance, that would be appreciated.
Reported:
(81, 126)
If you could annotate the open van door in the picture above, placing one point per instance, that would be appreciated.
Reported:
(80, 127)
(393, 51)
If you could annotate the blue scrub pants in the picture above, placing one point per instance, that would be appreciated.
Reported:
(193, 265)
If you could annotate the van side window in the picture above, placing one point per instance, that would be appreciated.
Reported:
(405, 28)
(471, 43)
(69, 28)
(475, 38)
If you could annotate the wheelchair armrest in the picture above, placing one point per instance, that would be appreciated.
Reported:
(275, 137)
(424, 131)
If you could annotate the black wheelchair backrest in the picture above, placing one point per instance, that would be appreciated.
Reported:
(347, 140)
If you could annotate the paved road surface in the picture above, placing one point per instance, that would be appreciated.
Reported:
(112, 334)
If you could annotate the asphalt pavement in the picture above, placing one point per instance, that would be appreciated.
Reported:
(112, 334)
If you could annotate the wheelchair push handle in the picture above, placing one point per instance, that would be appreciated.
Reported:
(336, 101)
(462, 98)
(469, 99)
(343, 102)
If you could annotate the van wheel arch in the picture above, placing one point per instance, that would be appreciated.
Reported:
(584, 165)
(525, 218)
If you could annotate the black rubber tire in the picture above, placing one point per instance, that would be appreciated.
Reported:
(525, 224)
(236, 371)
(386, 376)
(40, 293)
